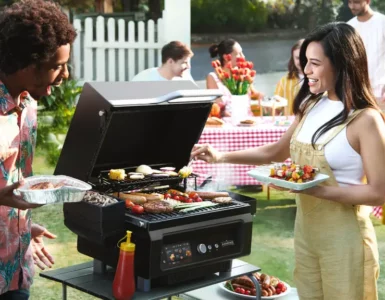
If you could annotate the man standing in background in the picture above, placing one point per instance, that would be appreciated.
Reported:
(371, 27)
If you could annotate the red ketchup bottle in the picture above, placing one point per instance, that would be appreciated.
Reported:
(123, 287)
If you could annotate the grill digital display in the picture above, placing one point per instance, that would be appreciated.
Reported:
(176, 254)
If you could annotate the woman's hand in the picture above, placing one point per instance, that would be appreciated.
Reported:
(206, 153)
(310, 191)
(41, 257)
(8, 198)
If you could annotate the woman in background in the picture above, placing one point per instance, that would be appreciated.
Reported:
(225, 47)
(228, 46)
(289, 85)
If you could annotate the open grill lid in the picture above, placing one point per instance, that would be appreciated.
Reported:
(126, 124)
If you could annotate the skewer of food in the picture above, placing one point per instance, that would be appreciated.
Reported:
(293, 172)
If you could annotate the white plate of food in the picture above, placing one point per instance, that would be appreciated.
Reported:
(225, 286)
(293, 177)
(247, 123)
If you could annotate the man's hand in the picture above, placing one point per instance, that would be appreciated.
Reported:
(8, 198)
(41, 257)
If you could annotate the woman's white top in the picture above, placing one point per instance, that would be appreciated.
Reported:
(344, 161)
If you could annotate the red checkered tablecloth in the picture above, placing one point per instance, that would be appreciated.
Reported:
(377, 212)
(234, 138)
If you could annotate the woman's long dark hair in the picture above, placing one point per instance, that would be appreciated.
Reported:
(345, 49)
(293, 71)
(224, 47)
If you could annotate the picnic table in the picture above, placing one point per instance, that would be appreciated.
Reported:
(233, 138)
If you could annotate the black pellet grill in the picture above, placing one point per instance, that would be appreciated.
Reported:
(124, 125)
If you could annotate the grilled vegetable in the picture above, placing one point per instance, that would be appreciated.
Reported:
(194, 206)
(185, 172)
(129, 204)
(137, 209)
(117, 174)
(229, 286)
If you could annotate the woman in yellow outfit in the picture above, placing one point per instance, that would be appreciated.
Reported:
(289, 85)
(340, 129)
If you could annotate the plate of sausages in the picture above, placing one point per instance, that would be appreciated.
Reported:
(243, 287)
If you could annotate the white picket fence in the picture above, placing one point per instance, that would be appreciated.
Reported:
(107, 55)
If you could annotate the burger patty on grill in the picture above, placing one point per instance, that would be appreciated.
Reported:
(157, 207)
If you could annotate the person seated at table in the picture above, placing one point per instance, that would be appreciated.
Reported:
(289, 85)
(175, 64)
(228, 46)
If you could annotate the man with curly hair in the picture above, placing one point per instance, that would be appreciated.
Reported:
(35, 39)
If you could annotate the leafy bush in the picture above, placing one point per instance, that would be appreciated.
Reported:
(281, 13)
(54, 117)
(378, 5)
(312, 13)
(215, 16)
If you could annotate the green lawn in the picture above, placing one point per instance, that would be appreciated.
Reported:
(272, 247)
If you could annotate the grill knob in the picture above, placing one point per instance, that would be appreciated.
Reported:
(202, 249)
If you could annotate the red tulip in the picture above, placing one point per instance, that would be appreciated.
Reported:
(241, 59)
(236, 77)
(226, 75)
(235, 71)
(249, 79)
(251, 65)
(228, 65)
(219, 70)
(252, 73)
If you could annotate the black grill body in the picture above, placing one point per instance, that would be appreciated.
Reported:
(124, 125)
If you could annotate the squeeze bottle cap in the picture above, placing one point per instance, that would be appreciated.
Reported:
(127, 245)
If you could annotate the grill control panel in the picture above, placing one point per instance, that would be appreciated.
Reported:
(202, 245)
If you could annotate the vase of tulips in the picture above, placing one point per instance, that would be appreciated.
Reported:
(238, 79)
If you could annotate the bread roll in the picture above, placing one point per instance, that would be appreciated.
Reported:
(214, 121)
(150, 197)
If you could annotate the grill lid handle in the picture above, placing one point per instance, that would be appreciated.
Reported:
(179, 96)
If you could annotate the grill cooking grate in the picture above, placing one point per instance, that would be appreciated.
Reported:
(176, 215)
(148, 181)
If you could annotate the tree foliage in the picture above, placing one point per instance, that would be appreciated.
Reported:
(227, 15)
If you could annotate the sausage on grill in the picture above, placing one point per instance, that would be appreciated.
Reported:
(222, 200)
